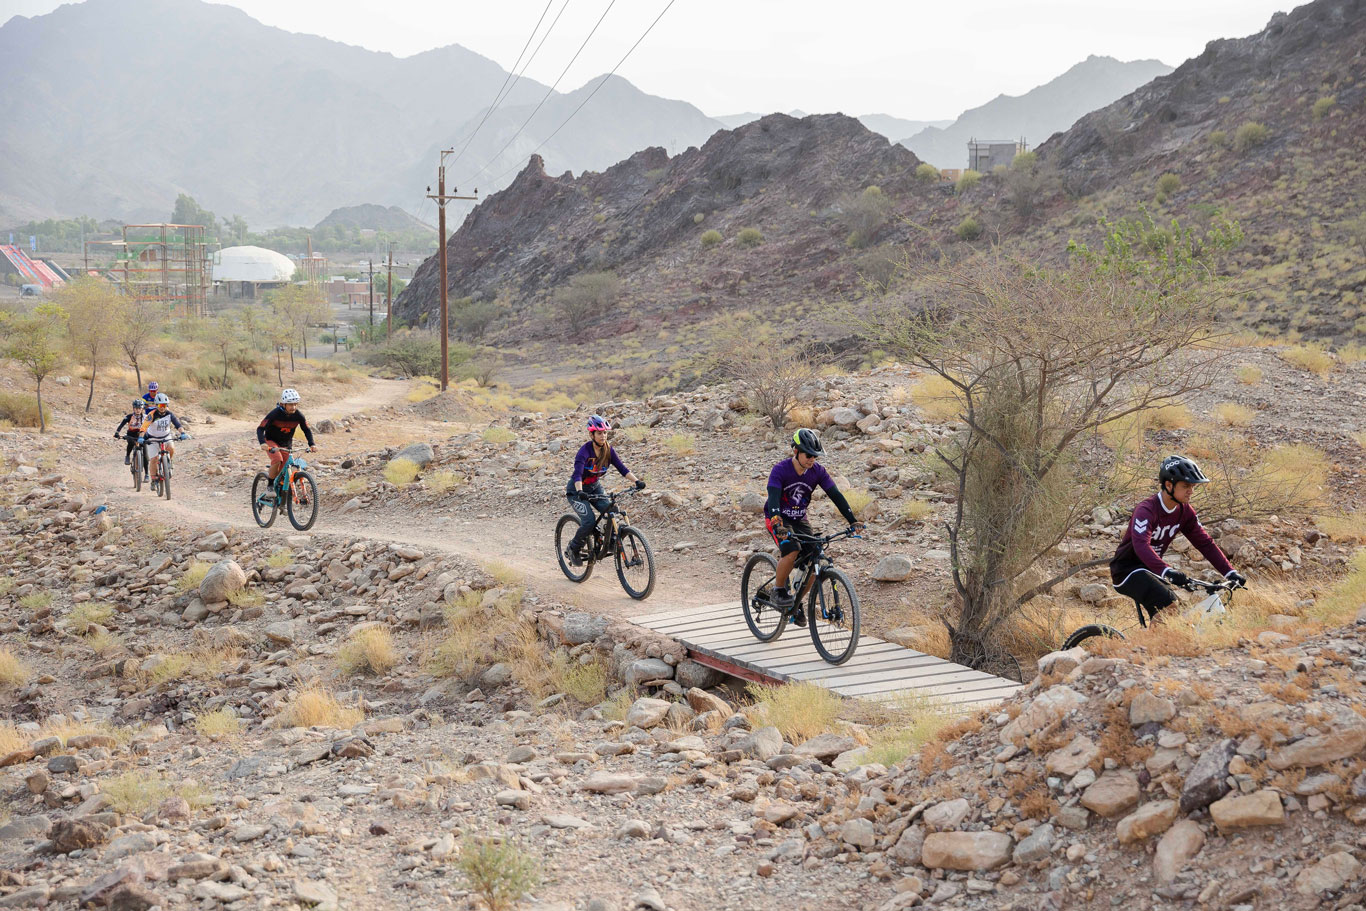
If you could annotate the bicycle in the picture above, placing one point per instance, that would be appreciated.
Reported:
(832, 608)
(294, 488)
(1218, 598)
(139, 465)
(610, 537)
(161, 486)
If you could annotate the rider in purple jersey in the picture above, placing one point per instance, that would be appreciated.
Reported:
(585, 490)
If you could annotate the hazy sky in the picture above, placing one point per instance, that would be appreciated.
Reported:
(912, 59)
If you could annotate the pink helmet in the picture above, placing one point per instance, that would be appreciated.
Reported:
(598, 422)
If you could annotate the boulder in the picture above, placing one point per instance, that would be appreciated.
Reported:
(1208, 779)
(1147, 708)
(610, 783)
(646, 712)
(644, 670)
(420, 454)
(858, 832)
(843, 417)
(1035, 847)
(580, 627)
(1180, 843)
(1062, 662)
(1145, 822)
(1320, 749)
(893, 568)
(702, 701)
(1049, 706)
(762, 745)
(1328, 875)
(826, 747)
(947, 815)
(1261, 808)
(222, 579)
(1112, 794)
(966, 850)
(908, 846)
(690, 675)
(1071, 759)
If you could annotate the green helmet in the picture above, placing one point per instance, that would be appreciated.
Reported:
(807, 441)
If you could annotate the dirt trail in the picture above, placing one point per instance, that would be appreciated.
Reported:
(522, 545)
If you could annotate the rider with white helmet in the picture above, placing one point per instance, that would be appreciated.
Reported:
(275, 433)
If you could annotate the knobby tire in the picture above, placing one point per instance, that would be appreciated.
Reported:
(833, 617)
(765, 621)
(565, 530)
(303, 480)
(633, 548)
(260, 486)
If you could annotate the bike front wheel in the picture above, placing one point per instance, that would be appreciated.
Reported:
(635, 563)
(263, 500)
(765, 620)
(303, 501)
(137, 471)
(1091, 631)
(833, 616)
(565, 530)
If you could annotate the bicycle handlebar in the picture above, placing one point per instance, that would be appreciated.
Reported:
(825, 539)
(1210, 587)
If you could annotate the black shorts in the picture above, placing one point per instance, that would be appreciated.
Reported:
(790, 544)
(1147, 590)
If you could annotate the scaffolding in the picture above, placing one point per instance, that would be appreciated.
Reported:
(165, 263)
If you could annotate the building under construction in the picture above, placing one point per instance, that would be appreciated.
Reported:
(164, 263)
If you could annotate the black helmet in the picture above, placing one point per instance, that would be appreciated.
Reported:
(807, 441)
(1180, 468)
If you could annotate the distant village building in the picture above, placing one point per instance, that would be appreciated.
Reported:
(986, 154)
(342, 290)
(250, 271)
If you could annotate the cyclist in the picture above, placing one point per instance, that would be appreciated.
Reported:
(584, 489)
(790, 486)
(134, 420)
(157, 433)
(1137, 568)
(150, 396)
(275, 433)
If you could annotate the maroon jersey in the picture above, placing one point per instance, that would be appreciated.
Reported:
(1152, 528)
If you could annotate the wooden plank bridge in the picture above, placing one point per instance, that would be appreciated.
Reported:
(716, 635)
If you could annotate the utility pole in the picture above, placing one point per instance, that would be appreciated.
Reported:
(441, 199)
(389, 297)
(372, 299)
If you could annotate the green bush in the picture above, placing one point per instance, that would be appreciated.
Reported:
(749, 237)
(1218, 139)
(21, 409)
(968, 229)
(1168, 184)
(1324, 105)
(711, 238)
(472, 320)
(698, 218)
(588, 296)
(500, 872)
(1024, 161)
(1250, 135)
(926, 172)
(864, 213)
(413, 353)
(967, 181)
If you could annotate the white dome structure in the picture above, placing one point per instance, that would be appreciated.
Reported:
(251, 264)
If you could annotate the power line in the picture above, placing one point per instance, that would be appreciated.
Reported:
(499, 97)
(590, 95)
(543, 100)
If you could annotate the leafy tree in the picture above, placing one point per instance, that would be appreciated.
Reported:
(1039, 359)
(140, 323)
(95, 312)
(225, 337)
(35, 341)
(588, 296)
(189, 212)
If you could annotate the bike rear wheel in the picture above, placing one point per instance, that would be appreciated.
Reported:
(565, 530)
(303, 501)
(833, 615)
(635, 563)
(263, 490)
(1091, 631)
(765, 620)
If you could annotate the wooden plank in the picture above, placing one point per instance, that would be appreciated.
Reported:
(931, 689)
(818, 670)
(646, 619)
(682, 621)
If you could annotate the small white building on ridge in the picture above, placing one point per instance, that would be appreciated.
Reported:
(248, 271)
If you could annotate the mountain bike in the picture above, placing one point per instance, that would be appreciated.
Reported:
(139, 465)
(832, 610)
(293, 488)
(612, 536)
(161, 486)
(1218, 597)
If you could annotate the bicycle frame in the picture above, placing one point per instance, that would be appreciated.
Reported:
(609, 520)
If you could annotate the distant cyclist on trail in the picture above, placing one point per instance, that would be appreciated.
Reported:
(134, 421)
(1137, 568)
(791, 484)
(585, 490)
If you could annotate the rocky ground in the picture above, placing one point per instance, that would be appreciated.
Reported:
(187, 723)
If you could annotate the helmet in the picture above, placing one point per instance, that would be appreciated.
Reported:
(152, 386)
(289, 397)
(807, 441)
(139, 403)
(598, 422)
(1180, 468)
(161, 399)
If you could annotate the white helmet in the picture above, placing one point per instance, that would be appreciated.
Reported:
(289, 397)
(161, 399)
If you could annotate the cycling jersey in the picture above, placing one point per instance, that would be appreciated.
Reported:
(1151, 530)
(278, 427)
(789, 493)
(587, 468)
(135, 421)
(158, 428)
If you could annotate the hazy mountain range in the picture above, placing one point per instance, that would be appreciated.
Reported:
(1038, 113)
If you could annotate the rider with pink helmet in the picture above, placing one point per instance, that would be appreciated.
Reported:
(585, 489)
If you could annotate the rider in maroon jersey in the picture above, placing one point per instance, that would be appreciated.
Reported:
(1137, 568)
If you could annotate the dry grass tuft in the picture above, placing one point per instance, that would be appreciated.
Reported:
(424, 388)
(1170, 417)
(87, 614)
(916, 510)
(369, 650)
(585, 683)
(1248, 375)
(400, 472)
(11, 738)
(498, 435)
(799, 711)
(915, 722)
(194, 573)
(937, 398)
(315, 706)
(1346, 527)
(858, 499)
(503, 573)
(680, 444)
(1231, 414)
(37, 601)
(499, 871)
(138, 790)
(221, 724)
(1312, 358)
(442, 481)
(13, 672)
(281, 558)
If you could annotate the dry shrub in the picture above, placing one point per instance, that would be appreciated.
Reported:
(400, 472)
(1248, 375)
(88, 613)
(1170, 417)
(1312, 358)
(1118, 741)
(914, 722)
(914, 509)
(1292, 691)
(13, 672)
(1346, 527)
(139, 790)
(585, 683)
(1231, 414)
(220, 724)
(1038, 804)
(442, 481)
(315, 706)
(498, 871)
(799, 711)
(934, 758)
(858, 499)
(369, 650)
(937, 398)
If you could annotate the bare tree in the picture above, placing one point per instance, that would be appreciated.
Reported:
(1039, 358)
(771, 378)
(588, 296)
(94, 312)
(141, 322)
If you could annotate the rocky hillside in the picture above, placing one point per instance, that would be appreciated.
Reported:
(1265, 129)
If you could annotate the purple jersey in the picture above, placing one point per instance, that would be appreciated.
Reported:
(1152, 528)
(588, 469)
(796, 489)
